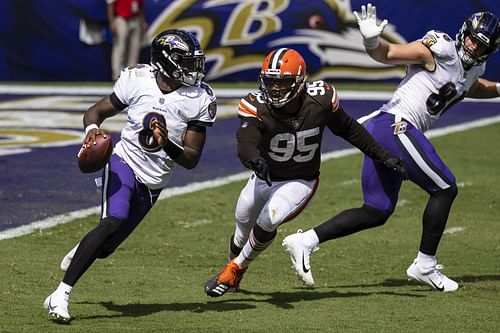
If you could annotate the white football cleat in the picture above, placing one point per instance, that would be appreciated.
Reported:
(300, 254)
(57, 305)
(432, 277)
(67, 258)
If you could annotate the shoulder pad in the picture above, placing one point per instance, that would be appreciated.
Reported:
(247, 107)
(139, 70)
(325, 93)
(335, 97)
(207, 88)
(439, 44)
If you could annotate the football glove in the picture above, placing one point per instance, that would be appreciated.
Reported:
(261, 169)
(368, 26)
(397, 164)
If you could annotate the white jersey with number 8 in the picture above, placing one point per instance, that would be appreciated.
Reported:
(137, 88)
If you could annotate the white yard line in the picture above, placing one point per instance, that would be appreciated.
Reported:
(453, 230)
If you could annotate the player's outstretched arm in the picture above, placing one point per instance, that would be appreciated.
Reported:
(369, 27)
(343, 125)
(385, 52)
(483, 88)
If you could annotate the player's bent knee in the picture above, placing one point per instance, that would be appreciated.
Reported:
(267, 225)
(110, 225)
(104, 253)
(263, 235)
(452, 191)
(449, 193)
(377, 217)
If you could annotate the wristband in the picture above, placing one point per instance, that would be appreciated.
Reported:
(172, 150)
(371, 43)
(90, 127)
(498, 88)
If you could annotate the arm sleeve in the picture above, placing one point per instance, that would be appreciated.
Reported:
(248, 136)
(341, 124)
(116, 102)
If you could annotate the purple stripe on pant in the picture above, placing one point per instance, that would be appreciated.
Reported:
(425, 168)
(124, 198)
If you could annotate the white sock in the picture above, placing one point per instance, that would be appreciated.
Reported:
(425, 260)
(310, 238)
(65, 288)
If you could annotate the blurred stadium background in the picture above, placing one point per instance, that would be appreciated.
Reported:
(69, 40)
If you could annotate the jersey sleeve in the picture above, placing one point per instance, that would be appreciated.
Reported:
(129, 83)
(248, 137)
(334, 99)
(247, 108)
(440, 44)
(208, 108)
(121, 90)
(325, 94)
(343, 125)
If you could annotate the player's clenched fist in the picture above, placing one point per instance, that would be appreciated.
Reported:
(160, 132)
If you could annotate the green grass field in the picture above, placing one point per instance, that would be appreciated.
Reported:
(154, 282)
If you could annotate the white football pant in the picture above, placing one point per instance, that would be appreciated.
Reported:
(270, 206)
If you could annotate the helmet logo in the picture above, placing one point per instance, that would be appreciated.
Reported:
(173, 41)
(475, 22)
(429, 40)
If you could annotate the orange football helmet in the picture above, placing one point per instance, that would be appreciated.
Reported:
(282, 77)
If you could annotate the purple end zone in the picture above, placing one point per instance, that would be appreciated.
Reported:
(47, 182)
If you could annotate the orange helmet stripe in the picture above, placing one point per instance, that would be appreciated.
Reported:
(284, 62)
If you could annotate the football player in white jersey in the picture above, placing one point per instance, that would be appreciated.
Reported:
(280, 139)
(441, 72)
(169, 108)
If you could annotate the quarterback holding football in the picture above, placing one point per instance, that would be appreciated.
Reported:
(169, 108)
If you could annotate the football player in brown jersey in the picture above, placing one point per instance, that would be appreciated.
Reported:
(280, 139)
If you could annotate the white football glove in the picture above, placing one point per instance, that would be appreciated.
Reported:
(368, 26)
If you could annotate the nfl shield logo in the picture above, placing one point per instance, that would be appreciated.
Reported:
(162, 100)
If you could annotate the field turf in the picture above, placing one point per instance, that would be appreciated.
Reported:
(154, 282)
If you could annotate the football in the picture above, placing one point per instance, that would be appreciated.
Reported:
(95, 157)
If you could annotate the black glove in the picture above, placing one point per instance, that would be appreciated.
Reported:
(261, 169)
(397, 164)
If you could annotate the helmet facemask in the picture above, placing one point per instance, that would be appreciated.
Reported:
(484, 29)
(278, 90)
(187, 69)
